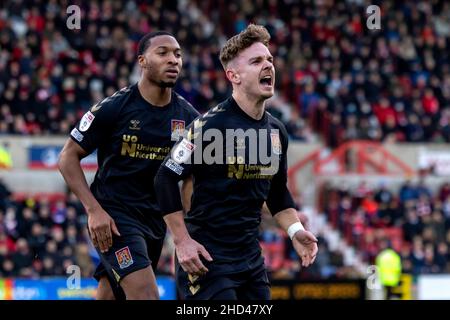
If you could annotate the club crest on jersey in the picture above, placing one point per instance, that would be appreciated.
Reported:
(86, 121)
(124, 257)
(177, 129)
(276, 143)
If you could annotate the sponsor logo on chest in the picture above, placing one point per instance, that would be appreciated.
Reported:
(134, 125)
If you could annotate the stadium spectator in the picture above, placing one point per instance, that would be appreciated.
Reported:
(339, 79)
(5, 196)
(418, 226)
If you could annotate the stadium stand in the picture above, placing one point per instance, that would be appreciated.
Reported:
(336, 78)
(337, 81)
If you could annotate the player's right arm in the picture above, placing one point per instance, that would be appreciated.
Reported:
(188, 250)
(99, 222)
(186, 193)
(92, 131)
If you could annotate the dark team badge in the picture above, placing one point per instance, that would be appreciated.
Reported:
(177, 129)
(124, 258)
(276, 143)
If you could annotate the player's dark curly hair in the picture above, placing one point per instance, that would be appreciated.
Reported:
(252, 34)
(144, 43)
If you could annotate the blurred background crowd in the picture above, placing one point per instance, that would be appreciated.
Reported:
(336, 81)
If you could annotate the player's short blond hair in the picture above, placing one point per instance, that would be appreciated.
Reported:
(236, 44)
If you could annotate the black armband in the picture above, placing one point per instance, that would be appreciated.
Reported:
(279, 199)
(167, 191)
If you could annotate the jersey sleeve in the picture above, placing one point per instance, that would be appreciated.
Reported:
(279, 197)
(96, 125)
(193, 113)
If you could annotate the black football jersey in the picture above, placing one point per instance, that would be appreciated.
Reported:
(232, 178)
(132, 138)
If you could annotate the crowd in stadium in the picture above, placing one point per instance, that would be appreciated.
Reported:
(414, 219)
(42, 237)
(282, 261)
(336, 78)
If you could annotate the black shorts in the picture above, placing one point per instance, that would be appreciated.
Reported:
(130, 252)
(251, 284)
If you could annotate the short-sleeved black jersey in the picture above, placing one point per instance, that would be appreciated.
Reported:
(132, 138)
(230, 189)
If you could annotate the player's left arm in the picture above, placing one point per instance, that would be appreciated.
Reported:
(177, 166)
(283, 208)
(304, 242)
(187, 186)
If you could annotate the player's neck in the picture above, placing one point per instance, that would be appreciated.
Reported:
(253, 107)
(153, 94)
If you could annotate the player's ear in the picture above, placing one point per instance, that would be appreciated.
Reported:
(233, 76)
(141, 60)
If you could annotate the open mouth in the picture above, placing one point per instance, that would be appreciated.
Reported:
(266, 81)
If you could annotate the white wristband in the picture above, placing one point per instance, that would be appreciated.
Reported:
(293, 228)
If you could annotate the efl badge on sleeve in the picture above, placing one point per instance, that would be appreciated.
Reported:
(124, 258)
(86, 121)
(276, 143)
(183, 151)
(177, 129)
